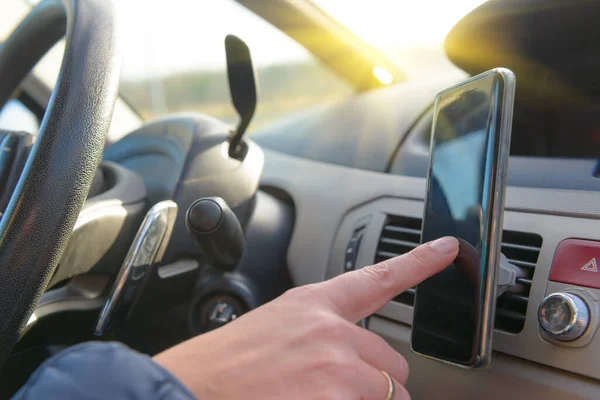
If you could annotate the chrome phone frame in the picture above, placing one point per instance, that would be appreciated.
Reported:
(508, 81)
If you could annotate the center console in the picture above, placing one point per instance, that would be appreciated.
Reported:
(348, 218)
(561, 334)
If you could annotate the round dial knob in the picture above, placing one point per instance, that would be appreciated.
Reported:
(564, 316)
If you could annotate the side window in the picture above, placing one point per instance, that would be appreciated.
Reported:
(15, 116)
(175, 61)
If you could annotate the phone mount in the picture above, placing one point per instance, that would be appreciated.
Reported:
(507, 275)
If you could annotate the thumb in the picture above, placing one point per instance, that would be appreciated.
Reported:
(358, 294)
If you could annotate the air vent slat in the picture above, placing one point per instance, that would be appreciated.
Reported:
(387, 254)
(524, 281)
(401, 234)
(401, 229)
(502, 312)
(397, 242)
(523, 264)
(517, 297)
(520, 247)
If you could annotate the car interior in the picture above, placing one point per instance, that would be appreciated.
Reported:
(147, 202)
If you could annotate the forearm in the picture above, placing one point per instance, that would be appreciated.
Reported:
(106, 370)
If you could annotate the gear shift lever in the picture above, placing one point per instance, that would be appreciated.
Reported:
(217, 231)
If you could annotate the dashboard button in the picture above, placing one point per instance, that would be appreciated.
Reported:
(577, 262)
(352, 250)
(564, 316)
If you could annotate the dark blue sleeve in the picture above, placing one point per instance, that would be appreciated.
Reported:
(102, 370)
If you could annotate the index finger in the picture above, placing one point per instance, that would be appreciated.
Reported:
(358, 294)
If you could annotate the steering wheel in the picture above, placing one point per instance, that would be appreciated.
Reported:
(56, 178)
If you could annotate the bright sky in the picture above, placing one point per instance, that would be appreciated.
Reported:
(162, 37)
(406, 24)
(165, 36)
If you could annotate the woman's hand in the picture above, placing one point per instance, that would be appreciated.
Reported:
(305, 344)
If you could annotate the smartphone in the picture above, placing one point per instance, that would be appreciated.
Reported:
(470, 142)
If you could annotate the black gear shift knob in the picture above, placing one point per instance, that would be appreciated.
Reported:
(217, 231)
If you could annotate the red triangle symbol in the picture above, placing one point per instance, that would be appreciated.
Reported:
(591, 266)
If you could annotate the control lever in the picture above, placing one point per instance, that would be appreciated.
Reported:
(147, 249)
(243, 88)
(217, 231)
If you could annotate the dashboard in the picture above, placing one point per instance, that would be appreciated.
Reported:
(352, 209)
(327, 216)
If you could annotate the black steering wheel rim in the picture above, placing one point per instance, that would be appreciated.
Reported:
(56, 178)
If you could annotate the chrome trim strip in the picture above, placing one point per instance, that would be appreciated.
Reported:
(177, 268)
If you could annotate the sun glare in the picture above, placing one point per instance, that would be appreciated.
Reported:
(382, 75)
(392, 24)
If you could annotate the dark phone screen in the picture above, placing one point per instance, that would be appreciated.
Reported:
(449, 309)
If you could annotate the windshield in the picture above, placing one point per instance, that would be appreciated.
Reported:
(181, 66)
(174, 58)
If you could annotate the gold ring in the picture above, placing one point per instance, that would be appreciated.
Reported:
(391, 386)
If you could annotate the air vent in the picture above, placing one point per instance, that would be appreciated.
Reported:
(522, 249)
(402, 234)
(399, 235)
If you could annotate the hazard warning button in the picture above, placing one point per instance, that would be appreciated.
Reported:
(577, 262)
